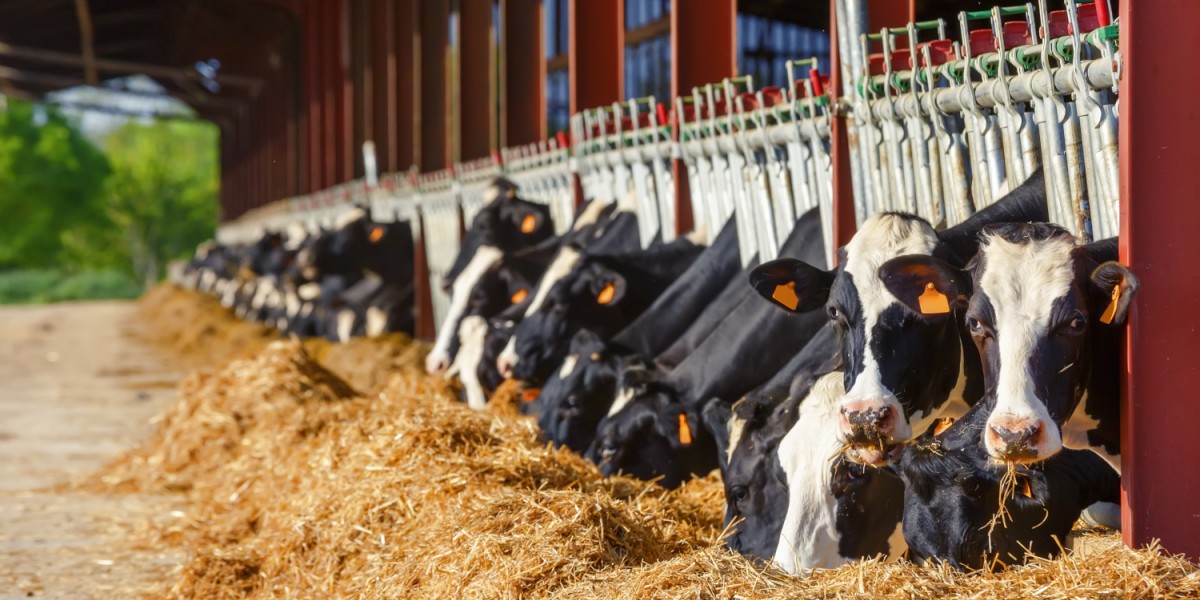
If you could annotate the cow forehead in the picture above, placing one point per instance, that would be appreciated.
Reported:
(562, 266)
(1022, 280)
(349, 217)
(881, 238)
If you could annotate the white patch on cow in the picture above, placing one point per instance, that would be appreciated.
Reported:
(309, 291)
(345, 325)
(472, 333)
(628, 203)
(698, 236)
(306, 310)
(809, 537)
(292, 304)
(568, 366)
(491, 194)
(1023, 281)
(624, 396)
(349, 217)
(261, 292)
(460, 292)
(590, 214)
(377, 319)
(296, 234)
(880, 239)
(208, 280)
(1102, 514)
(1075, 434)
(737, 426)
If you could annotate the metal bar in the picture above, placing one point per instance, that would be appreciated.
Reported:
(123, 67)
(87, 43)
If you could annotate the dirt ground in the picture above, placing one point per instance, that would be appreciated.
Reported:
(77, 387)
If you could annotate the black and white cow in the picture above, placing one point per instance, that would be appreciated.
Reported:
(953, 491)
(748, 435)
(720, 368)
(505, 224)
(1044, 313)
(902, 370)
(598, 291)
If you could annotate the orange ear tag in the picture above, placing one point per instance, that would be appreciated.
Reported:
(530, 394)
(1026, 490)
(1111, 311)
(377, 233)
(933, 302)
(520, 296)
(785, 294)
(528, 224)
(606, 294)
(685, 430)
(942, 425)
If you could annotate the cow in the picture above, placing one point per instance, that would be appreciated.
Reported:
(506, 223)
(719, 368)
(748, 435)
(902, 371)
(953, 490)
(584, 288)
(1044, 313)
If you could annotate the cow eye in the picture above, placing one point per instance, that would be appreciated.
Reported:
(975, 326)
(738, 493)
(834, 313)
(1078, 322)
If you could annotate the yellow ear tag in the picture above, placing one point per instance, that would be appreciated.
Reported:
(785, 294)
(519, 297)
(606, 294)
(1111, 311)
(685, 430)
(377, 233)
(933, 302)
(528, 224)
(942, 425)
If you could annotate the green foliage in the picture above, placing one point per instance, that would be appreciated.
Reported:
(81, 221)
(43, 285)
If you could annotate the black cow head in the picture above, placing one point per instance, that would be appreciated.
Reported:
(747, 436)
(652, 436)
(953, 491)
(506, 223)
(900, 368)
(1036, 302)
(578, 395)
(589, 295)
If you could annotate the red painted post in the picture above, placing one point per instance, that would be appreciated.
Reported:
(595, 57)
(383, 83)
(407, 81)
(1158, 155)
(703, 50)
(523, 73)
(345, 90)
(314, 122)
(432, 110)
(476, 127)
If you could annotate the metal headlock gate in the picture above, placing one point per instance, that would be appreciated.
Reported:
(437, 198)
(543, 173)
(944, 127)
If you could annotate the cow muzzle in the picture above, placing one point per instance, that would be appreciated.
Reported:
(437, 363)
(868, 428)
(1013, 438)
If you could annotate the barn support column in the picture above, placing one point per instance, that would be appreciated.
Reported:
(475, 126)
(406, 57)
(703, 50)
(382, 82)
(595, 57)
(432, 112)
(523, 73)
(314, 128)
(1158, 155)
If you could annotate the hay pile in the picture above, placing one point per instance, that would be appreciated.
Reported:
(300, 486)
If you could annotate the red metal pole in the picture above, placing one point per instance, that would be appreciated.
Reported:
(345, 91)
(1158, 155)
(595, 57)
(476, 128)
(407, 51)
(433, 110)
(523, 73)
(703, 50)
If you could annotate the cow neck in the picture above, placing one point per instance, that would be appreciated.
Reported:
(1096, 423)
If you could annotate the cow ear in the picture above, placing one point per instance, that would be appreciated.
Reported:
(716, 419)
(609, 289)
(1117, 285)
(792, 284)
(926, 285)
(528, 220)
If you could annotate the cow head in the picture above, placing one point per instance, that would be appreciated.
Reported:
(577, 396)
(652, 435)
(899, 367)
(1036, 301)
(756, 495)
(505, 224)
(589, 295)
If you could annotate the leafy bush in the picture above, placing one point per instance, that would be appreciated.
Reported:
(34, 286)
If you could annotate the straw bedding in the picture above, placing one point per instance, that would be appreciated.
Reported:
(302, 484)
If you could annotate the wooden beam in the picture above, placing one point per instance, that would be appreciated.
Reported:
(87, 43)
(56, 82)
(123, 67)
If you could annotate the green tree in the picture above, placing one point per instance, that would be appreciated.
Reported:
(52, 183)
(162, 195)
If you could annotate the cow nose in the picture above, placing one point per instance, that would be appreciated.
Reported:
(505, 366)
(436, 365)
(866, 422)
(1014, 438)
